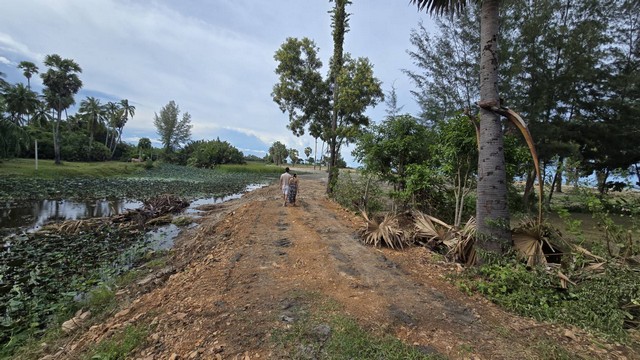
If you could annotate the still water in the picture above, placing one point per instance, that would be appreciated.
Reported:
(31, 216)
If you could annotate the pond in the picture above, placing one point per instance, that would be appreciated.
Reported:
(30, 216)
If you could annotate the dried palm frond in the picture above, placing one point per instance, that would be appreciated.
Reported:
(531, 239)
(424, 228)
(464, 249)
(386, 232)
(459, 242)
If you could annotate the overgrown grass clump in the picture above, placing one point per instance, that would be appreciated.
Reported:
(321, 331)
(603, 301)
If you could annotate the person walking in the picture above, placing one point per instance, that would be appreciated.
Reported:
(284, 184)
(293, 189)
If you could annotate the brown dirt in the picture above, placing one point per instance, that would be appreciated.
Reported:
(236, 272)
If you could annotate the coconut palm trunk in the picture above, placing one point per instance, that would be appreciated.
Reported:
(492, 211)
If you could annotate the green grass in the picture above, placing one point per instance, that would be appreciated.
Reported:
(47, 169)
(252, 167)
(121, 344)
(321, 331)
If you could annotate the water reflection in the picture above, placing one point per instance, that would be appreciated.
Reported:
(31, 216)
(35, 214)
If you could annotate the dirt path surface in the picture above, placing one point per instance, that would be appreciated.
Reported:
(235, 277)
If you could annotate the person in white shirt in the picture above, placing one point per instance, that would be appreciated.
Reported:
(284, 184)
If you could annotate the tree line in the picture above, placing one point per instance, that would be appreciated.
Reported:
(94, 132)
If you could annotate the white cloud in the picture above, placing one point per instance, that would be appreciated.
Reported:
(214, 58)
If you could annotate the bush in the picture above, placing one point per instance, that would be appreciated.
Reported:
(605, 302)
(350, 191)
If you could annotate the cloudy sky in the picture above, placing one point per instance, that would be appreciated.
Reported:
(214, 58)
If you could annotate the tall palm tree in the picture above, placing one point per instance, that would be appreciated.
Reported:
(28, 69)
(492, 212)
(42, 114)
(125, 111)
(61, 84)
(94, 113)
(113, 114)
(20, 101)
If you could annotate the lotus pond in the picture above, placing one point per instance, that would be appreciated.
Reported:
(43, 271)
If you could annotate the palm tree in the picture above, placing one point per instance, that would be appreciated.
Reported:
(28, 69)
(20, 101)
(113, 115)
(93, 112)
(492, 212)
(61, 84)
(41, 115)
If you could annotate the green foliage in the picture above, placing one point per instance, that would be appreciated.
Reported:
(209, 154)
(278, 153)
(600, 302)
(173, 132)
(24, 170)
(89, 181)
(357, 192)
(120, 344)
(75, 147)
(389, 148)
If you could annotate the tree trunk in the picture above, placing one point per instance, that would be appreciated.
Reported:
(492, 211)
(56, 138)
(559, 170)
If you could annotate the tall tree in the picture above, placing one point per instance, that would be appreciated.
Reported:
(340, 26)
(278, 152)
(449, 66)
(173, 131)
(492, 210)
(20, 101)
(28, 69)
(61, 83)
(93, 113)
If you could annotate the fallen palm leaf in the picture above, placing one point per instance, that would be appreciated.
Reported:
(385, 232)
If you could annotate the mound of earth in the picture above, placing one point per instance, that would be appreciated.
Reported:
(232, 279)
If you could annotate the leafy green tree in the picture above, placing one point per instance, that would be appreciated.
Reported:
(61, 84)
(208, 154)
(387, 149)
(293, 155)
(28, 69)
(278, 153)
(94, 113)
(144, 143)
(455, 156)
(332, 109)
(41, 115)
(492, 212)
(173, 132)
(307, 152)
(20, 101)
(448, 64)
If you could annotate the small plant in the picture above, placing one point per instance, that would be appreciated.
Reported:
(120, 345)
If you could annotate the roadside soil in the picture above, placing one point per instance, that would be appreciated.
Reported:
(235, 275)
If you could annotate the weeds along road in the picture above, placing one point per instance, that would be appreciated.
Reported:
(254, 269)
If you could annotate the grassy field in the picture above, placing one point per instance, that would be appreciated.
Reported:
(47, 169)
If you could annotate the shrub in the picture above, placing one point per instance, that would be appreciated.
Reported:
(350, 192)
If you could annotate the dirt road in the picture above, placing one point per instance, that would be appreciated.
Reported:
(238, 274)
